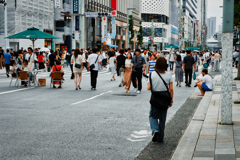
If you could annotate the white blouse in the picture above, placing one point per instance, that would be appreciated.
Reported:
(128, 63)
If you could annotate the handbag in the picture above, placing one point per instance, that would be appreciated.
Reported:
(92, 66)
(194, 75)
(121, 69)
(77, 65)
(160, 99)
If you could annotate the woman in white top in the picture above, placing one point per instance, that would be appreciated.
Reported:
(158, 116)
(112, 66)
(128, 72)
(77, 59)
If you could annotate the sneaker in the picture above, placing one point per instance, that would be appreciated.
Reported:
(135, 90)
(138, 92)
(94, 89)
(155, 137)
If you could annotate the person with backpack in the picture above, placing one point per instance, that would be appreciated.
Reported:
(93, 60)
(138, 69)
(161, 86)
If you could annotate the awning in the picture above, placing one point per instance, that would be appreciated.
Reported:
(111, 45)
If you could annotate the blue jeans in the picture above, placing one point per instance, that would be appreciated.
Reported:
(171, 64)
(157, 119)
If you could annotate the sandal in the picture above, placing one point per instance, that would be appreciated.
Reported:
(79, 87)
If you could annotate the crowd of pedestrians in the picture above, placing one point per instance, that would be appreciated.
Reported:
(129, 66)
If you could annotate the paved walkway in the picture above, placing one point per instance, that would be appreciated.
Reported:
(205, 138)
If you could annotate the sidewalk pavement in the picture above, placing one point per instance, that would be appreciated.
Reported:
(205, 138)
(2, 71)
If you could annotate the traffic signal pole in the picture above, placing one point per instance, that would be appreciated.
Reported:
(227, 47)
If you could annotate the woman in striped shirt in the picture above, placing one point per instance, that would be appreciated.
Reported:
(152, 64)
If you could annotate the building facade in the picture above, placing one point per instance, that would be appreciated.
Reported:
(211, 23)
(189, 9)
(24, 14)
(158, 12)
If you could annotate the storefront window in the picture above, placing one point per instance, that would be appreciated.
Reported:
(155, 18)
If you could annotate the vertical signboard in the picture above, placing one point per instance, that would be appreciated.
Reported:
(76, 23)
(104, 30)
(113, 28)
(57, 4)
(114, 4)
(75, 6)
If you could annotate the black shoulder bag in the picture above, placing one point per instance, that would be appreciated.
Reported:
(92, 66)
(160, 99)
(76, 64)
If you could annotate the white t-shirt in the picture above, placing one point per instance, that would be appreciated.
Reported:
(111, 61)
(172, 55)
(92, 59)
(30, 59)
(182, 56)
(157, 83)
(83, 58)
(208, 81)
(104, 55)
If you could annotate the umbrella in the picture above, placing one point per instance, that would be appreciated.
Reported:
(33, 34)
(192, 48)
(171, 46)
(44, 49)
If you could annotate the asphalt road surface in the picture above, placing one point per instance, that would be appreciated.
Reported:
(43, 123)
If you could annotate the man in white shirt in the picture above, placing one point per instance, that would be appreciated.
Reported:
(93, 60)
(182, 55)
(31, 57)
(206, 83)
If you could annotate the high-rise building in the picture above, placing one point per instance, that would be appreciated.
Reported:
(219, 28)
(211, 23)
(189, 29)
(24, 14)
(164, 15)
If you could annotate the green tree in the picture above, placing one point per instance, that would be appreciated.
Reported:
(140, 35)
(131, 28)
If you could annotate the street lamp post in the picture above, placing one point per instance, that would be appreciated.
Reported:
(226, 90)
(4, 2)
(128, 25)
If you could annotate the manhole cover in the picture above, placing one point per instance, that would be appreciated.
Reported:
(124, 95)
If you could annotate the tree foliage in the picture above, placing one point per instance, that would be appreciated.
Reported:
(131, 28)
(140, 35)
(237, 13)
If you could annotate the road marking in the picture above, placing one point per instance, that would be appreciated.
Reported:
(90, 98)
(14, 90)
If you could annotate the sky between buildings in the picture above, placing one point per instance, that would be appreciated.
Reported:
(214, 10)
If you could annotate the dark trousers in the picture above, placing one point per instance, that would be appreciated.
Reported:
(85, 65)
(157, 119)
(7, 66)
(94, 75)
(71, 66)
(188, 74)
(137, 75)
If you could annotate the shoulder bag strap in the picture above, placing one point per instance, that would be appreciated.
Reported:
(163, 81)
(56, 68)
(150, 78)
(96, 59)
